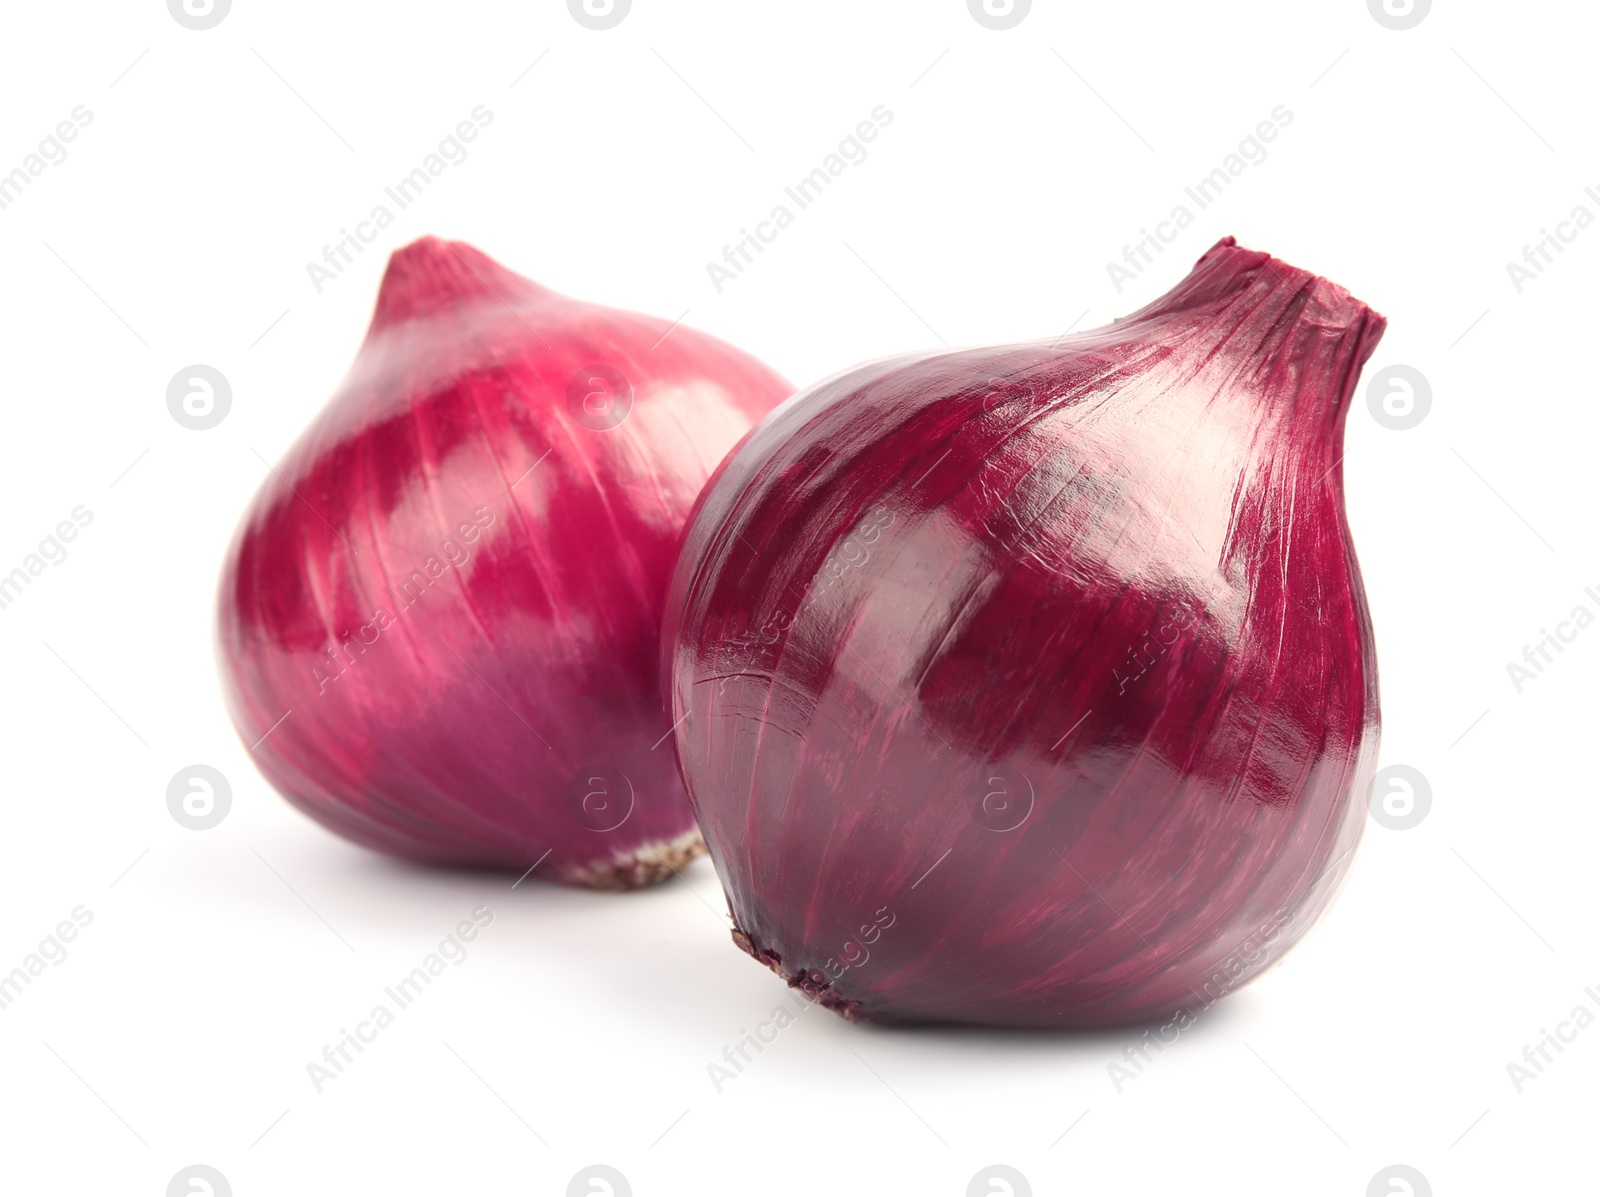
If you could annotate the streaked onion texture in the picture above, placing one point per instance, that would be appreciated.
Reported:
(1035, 685)
(439, 618)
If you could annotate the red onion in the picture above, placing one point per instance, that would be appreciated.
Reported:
(1035, 685)
(439, 617)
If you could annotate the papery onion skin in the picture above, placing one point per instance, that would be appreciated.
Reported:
(439, 618)
(1035, 686)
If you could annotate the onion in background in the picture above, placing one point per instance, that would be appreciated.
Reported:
(438, 620)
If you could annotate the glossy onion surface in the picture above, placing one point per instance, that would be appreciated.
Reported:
(1035, 685)
(439, 618)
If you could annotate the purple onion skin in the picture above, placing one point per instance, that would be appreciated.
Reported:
(490, 557)
(1035, 686)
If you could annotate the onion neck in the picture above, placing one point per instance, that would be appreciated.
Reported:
(1269, 334)
(432, 275)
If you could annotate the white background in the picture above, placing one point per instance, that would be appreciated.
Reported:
(1018, 164)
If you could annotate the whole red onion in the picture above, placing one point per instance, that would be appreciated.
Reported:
(439, 618)
(1035, 685)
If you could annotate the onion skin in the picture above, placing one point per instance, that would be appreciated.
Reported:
(453, 581)
(1035, 686)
